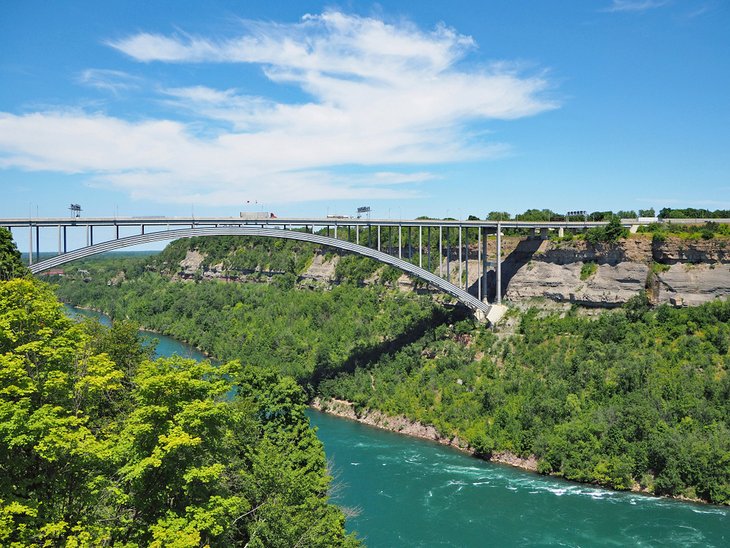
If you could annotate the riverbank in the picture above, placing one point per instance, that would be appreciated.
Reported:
(145, 329)
(403, 425)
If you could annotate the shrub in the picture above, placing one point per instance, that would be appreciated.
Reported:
(587, 270)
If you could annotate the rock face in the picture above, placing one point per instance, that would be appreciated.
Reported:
(691, 284)
(611, 285)
(322, 269)
(675, 271)
(192, 261)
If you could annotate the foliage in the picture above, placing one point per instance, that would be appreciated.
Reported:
(705, 231)
(538, 215)
(634, 396)
(304, 334)
(355, 269)
(11, 265)
(99, 445)
(609, 233)
(693, 213)
(587, 270)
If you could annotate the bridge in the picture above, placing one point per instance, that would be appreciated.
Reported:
(407, 249)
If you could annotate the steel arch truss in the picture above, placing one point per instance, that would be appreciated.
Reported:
(175, 234)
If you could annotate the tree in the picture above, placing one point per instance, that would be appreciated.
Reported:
(11, 265)
(147, 453)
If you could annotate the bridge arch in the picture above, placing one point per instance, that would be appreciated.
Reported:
(482, 309)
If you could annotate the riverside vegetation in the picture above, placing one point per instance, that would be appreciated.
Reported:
(101, 445)
(637, 398)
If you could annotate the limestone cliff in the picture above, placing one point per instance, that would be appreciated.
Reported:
(675, 270)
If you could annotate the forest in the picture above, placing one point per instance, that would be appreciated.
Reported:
(101, 445)
(636, 398)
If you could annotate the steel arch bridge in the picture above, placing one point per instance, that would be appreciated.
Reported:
(483, 311)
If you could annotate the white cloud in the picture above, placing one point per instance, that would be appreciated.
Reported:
(114, 81)
(379, 95)
(635, 5)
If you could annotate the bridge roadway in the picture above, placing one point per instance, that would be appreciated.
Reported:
(154, 228)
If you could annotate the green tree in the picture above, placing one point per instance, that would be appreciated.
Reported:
(171, 452)
(11, 265)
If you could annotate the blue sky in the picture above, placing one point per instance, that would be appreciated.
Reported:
(308, 108)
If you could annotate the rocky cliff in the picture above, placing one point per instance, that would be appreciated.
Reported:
(674, 270)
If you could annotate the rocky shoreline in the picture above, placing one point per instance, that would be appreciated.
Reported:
(407, 427)
(403, 425)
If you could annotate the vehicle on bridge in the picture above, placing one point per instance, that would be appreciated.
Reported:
(257, 215)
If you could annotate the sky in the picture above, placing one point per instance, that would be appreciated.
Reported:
(446, 109)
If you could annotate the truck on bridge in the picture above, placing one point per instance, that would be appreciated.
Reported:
(257, 215)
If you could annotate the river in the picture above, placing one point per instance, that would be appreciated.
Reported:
(411, 492)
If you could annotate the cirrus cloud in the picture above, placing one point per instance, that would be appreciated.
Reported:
(386, 98)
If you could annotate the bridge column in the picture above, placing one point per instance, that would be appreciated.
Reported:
(561, 232)
(59, 240)
(30, 244)
(485, 262)
(466, 264)
(448, 255)
(544, 233)
(357, 234)
(499, 263)
(65, 241)
(378, 237)
(420, 246)
(428, 247)
(441, 251)
(335, 232)
(460, 267)
(400, 242)
(38, 243)
(479, 263)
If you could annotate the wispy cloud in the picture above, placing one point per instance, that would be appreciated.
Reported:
(114, 81)
(635, 5)
(386, 98)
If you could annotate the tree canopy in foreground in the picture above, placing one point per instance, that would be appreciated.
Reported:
(101, 445)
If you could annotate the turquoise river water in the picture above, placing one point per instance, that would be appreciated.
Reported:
(411, 492)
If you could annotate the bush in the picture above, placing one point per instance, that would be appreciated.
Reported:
(587, 270)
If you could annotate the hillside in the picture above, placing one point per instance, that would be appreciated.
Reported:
(633, 398)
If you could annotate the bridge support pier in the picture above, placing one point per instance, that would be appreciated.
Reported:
(466, 264)
(461, 277)
(485, 263)
(499, 264)
(441, 252)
